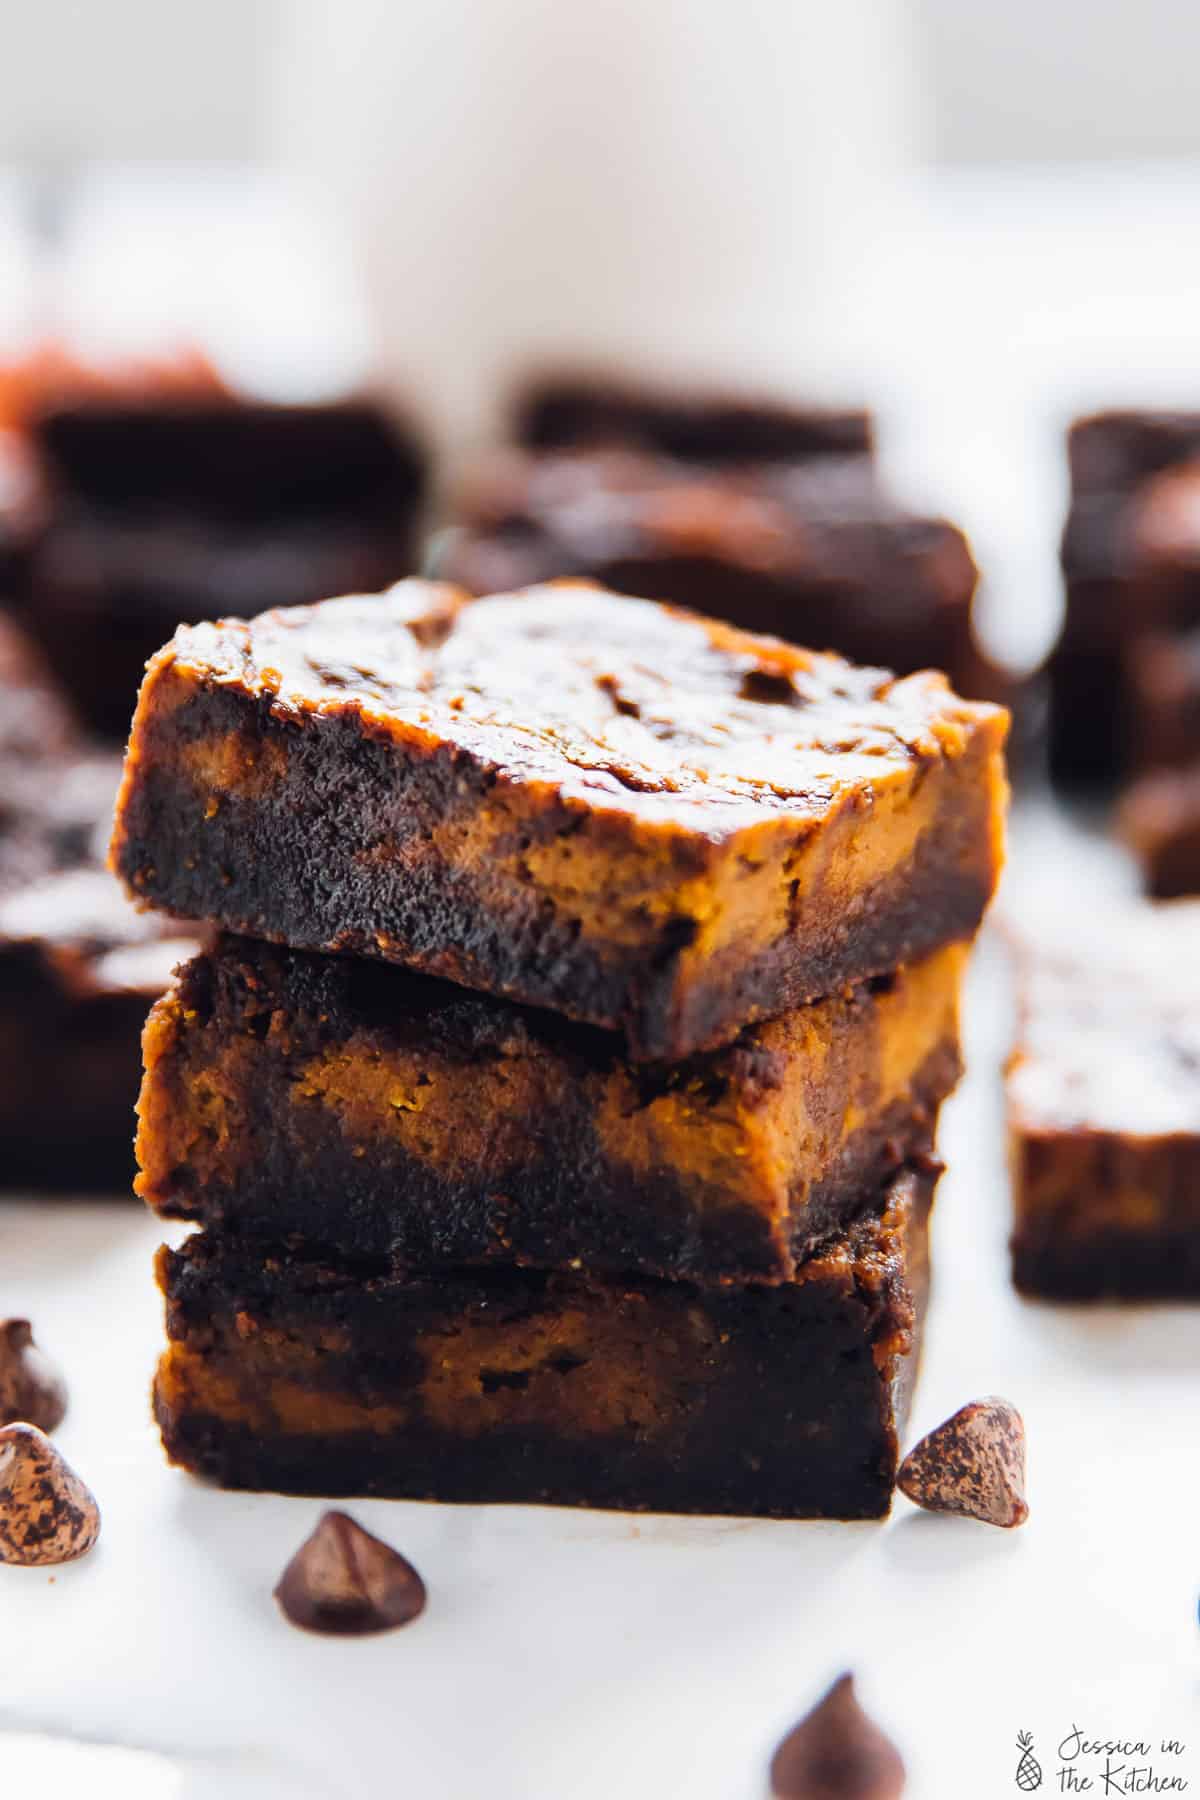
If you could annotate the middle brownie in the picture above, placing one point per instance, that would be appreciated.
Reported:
(363, 1106)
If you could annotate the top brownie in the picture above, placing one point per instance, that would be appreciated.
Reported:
(636, 817)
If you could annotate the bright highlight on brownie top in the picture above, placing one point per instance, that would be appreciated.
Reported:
(559, 1095)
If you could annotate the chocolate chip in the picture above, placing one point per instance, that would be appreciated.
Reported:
(30, 1386)
(47, 1515)
(773, 687)
(837, 1753)
(974, 1464)
(343, 1580)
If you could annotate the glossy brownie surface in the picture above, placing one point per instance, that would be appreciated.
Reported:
(640, 818)
(382, 1113)
(1104, 1108)
(517, 1386)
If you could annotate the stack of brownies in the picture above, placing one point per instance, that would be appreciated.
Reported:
(558, 1099)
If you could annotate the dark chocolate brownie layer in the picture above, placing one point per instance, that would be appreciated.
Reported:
(1104, 1108)
(642, 819)
(380, 1112)
(515, 1386)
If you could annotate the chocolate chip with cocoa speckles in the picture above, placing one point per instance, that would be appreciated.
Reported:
(837, 1753)
(47, 1515)
(974, 1465)
(346, 1582)
(31, 1388)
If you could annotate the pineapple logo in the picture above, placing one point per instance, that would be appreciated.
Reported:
(1029, 1769)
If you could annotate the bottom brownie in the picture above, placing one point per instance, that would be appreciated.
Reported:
(515, 1385)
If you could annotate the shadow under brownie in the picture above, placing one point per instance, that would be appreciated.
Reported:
(645, 820)
(517, 1386)
(384, 1113)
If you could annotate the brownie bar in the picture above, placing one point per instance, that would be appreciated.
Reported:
(79, 965)
(20, 498)
(818, 553)
(519, 1386)
(78, 970)
(167, 509)
(383, 1113)
(1104, 1110)
(49, 782)
(1131, 565)
(36, 721)
(638, 818)
(1159, 818)
(577, 410)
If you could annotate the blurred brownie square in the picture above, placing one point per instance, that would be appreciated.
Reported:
(574, 410)
(644, 820)
(1164, 699)
(165, 508)
(78, 969)
(1159, 818)
(36, 721)
(817, 551)
(78, 964)
(378, 1112)
(1104, 1109)
(1131, 566)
